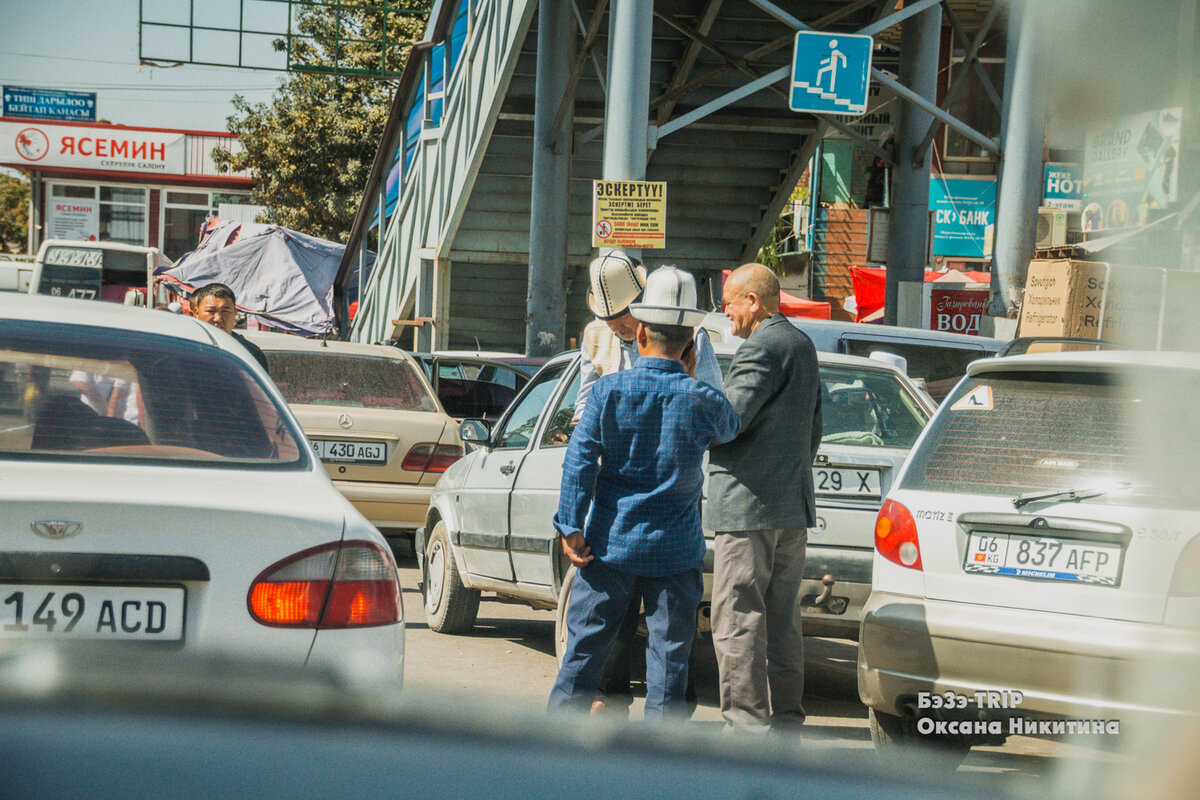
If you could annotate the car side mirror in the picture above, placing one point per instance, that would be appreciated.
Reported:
(475, 431)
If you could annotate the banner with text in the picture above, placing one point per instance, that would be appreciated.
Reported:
(30, 146)
(629, 214)
(964, 213)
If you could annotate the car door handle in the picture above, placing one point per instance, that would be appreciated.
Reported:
(508, 469)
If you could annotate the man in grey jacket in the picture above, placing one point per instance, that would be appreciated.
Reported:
(760, 505)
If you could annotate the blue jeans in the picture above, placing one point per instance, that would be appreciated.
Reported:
(599, 599)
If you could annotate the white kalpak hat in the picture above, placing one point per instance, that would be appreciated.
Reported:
(617, 280)
(669, 299)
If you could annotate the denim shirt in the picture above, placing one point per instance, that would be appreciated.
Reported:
(634, 461)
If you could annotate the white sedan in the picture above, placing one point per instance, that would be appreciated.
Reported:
(156, 489)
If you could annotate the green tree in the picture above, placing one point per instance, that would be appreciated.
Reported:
(14, 213)
(312, 146)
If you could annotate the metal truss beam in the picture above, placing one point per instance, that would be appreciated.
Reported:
(724, 100)
(589, 40)
(731, 60)
(863, 141)
(790, 178)
(909, 10)
(688, 62)
(960, 80)
(583, 29)
(961, 34)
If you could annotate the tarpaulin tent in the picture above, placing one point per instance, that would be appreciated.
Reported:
(792, 306)
(284, 276)
(870, 282)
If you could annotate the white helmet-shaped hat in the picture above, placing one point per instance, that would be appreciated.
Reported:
(669, 299)
(617, 280)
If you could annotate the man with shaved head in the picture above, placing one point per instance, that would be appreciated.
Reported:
(760, 505)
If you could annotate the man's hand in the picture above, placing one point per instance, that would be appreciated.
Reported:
(576, 548)
(688, 358)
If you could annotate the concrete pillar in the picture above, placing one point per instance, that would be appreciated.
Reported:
(908, 223)
(627, 107)
(1021, 142)
(546, 303)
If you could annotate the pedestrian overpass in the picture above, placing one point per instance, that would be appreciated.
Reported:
(479, 202)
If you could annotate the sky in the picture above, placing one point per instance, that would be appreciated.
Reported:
(92, 46)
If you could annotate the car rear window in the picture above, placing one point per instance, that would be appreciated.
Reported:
(98, 393)
(1014, 433)
(357, 381)
(939, 366)
(868, 407)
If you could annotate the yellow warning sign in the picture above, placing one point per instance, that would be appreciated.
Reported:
(631, 214)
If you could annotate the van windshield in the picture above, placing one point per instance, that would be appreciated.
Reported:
(940, 366)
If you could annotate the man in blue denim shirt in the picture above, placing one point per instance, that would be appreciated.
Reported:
(634, 461)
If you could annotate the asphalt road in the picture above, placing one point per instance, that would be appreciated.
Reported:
(508, 659)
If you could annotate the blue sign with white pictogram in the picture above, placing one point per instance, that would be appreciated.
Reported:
(831, 72)
(49, 104)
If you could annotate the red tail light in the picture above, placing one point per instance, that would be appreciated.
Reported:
(896, 535)
(431, 457)
(337, 585)
(1186, 580)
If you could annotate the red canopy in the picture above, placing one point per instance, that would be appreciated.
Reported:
(869, 283)
(792, 306)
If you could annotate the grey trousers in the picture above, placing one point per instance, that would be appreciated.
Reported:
(756, 626)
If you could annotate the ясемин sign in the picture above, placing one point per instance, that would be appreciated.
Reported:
(31, 145)
(49, 104)
(629, 214)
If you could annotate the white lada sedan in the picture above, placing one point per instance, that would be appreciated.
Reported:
(489, 524)
(156, 489)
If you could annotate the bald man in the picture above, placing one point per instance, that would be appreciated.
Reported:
(760, 505)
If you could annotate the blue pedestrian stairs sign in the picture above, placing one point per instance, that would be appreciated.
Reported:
(831, 72)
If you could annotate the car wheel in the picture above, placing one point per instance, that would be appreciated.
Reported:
(450, 607)
(560, 616)
(896, 740)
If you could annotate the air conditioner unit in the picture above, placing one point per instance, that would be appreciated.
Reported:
(1051, 227)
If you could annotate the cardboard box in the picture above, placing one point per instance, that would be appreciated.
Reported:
(1139, 307)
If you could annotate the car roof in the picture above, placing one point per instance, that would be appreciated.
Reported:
(284, 341)
(97, 313)
(839, 327)
(1090, 360)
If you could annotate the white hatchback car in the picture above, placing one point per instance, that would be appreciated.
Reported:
(1038, 558)
(156, 489)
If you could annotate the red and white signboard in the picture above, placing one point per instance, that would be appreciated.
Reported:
(70, 218)
(954, 307)
(31, 144)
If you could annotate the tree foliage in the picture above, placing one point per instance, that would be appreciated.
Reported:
(14, 213)
(312, 146)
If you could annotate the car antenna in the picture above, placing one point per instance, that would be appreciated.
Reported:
(325, 338)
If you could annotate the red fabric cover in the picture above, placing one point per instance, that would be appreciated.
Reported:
(869, 284)
(792, 306)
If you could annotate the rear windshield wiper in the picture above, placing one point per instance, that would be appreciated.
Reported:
(1073, 495)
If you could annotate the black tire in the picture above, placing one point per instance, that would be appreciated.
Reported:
(450, 607)
(897, 740)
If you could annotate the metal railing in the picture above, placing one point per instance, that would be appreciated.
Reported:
(437, 182)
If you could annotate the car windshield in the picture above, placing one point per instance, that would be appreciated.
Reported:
(336, 379)
(868, 407)
(939, 366)
(120, 395)
(1014, 433)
